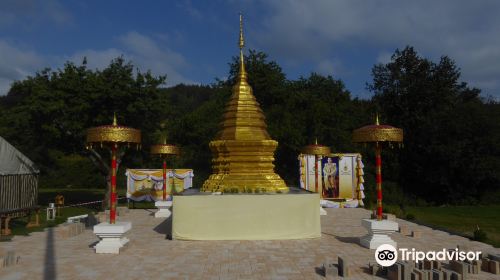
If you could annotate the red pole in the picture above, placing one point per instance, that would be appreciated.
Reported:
(316, 172)
(164, 179)
(378, 173)
(112, 210)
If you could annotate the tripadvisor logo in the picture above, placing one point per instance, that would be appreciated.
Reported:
(387, 255)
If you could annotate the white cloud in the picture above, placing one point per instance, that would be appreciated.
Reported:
(144, 52)
(467, 31)
(33, 14)
(16, 64)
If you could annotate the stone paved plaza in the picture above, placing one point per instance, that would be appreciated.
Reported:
(149, 255)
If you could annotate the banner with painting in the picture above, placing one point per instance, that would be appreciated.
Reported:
(147, 184)
(336, 176)
(310, 177)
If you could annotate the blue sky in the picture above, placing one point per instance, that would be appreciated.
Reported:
(193, 41)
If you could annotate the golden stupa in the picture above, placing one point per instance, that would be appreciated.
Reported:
(243, 151)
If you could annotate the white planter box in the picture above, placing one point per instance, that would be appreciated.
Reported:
(163, 209)
(378, 233)
(111, 237)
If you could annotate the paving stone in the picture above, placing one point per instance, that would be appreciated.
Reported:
(149, 255)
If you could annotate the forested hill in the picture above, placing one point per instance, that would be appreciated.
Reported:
(451, 151)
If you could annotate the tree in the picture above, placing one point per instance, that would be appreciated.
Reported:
(52, 110)
(442, 119)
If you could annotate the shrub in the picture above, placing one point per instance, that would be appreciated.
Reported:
(393, 209)
(410, 217)
(479, 235)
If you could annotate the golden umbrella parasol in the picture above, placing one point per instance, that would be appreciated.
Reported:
(378, 134)
(112, 136)
(318, 151)
(164, 150)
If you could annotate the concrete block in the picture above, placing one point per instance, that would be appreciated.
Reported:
(91, 220)
(495, 257)
(416, 234)
(345, 269)
(102, 217)
(436, 265)
(62, 232)
(390, 217)
(407, 268)
(494, 267)
(395, 272)
(460, 267)
(419, 274)
(122, 210)
(81, 227)
(404, 230)
(485, 264)
(373, 267)
(10, 258)
(330, 270)
(449, 275)
(428, 264)
(437, 275)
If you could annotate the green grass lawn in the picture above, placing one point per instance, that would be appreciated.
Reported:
(18, 225)
(71, 196)
(462, 219)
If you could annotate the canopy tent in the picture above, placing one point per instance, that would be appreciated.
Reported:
(13, 162)
(18, 180)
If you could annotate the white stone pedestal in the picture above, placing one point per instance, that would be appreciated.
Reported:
(163, 209)
(378, 233)
(111, 237)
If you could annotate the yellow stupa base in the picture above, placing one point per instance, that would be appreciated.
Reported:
(244, 167)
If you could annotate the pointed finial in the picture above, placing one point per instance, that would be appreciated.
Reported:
(242, 75)
(376, 119)
(115, 122)
(242, 40)
(316, 141)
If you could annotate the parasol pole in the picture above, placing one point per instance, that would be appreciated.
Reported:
(112, 210)
(164, 178)
(378, 178)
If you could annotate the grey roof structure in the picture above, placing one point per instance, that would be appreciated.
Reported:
(13, 162)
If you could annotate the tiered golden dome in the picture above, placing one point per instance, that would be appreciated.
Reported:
(243, 151)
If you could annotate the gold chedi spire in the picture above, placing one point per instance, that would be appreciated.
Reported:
(243, 151)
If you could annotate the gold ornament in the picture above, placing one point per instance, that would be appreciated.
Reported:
(113, 134)
(243, 151)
